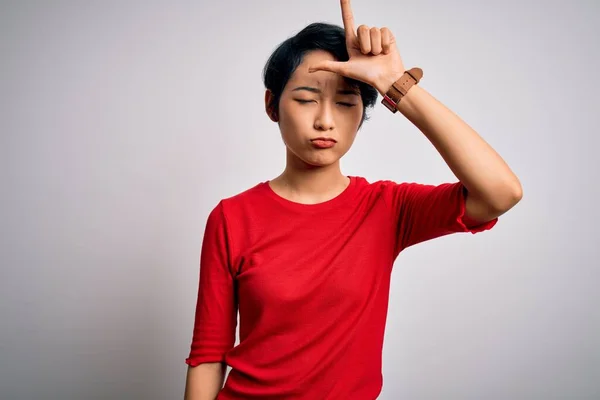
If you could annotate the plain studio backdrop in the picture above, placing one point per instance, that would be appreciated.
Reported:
(124, 123)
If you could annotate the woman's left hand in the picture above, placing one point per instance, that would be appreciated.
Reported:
(374, 56)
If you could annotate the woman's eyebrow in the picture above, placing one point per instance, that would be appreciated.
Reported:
(316, 90)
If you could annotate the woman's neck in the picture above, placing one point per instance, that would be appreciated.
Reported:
(310, 185)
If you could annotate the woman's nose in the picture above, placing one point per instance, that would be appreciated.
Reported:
(324, 119)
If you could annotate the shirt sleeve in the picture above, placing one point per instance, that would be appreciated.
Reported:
(216, 308)
(423, 212)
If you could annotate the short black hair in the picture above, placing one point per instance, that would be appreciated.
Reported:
(290, 54)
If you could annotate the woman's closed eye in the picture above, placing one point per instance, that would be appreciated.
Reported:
(310, 101)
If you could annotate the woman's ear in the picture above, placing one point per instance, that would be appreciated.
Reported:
(269, 106)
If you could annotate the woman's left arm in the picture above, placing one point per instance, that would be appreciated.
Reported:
(492, 187)
(374, 58)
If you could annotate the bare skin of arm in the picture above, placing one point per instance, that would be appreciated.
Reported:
(204, 381)
(492, 187)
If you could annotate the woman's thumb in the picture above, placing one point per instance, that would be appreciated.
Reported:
(331, 66)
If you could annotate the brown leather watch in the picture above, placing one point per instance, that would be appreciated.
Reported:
(401, 87)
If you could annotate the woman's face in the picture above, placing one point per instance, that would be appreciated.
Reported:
(318, 105)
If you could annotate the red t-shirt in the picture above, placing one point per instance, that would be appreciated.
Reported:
(312, 285)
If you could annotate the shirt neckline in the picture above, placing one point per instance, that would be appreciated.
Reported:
(333, 202)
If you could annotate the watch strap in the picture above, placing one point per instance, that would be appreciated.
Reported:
(399, 89)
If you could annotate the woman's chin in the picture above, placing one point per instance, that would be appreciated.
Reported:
(321, 160)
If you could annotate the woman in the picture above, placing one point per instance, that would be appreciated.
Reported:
(307, 256)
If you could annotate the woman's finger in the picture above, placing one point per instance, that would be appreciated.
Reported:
(375, 41)
(348, 18)
(386, 40)
(364, 39)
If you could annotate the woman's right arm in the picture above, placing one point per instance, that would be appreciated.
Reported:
(215, 319)
(204, 381)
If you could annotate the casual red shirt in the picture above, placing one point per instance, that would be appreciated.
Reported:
(311, 283)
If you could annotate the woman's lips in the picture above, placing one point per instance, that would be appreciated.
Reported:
(323, 143)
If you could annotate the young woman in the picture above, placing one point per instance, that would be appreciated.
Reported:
(307, 256)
